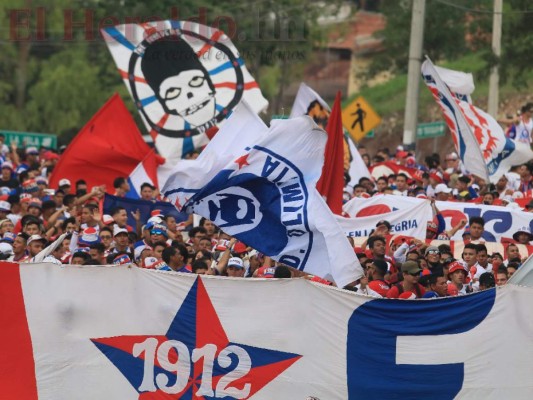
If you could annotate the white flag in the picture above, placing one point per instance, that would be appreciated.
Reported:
(264, 194)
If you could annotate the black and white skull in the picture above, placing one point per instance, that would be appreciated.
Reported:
(188, 94)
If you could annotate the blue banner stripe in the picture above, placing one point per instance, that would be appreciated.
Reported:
(148, 100)
(119, 37)
(175, 24)
(225, 66)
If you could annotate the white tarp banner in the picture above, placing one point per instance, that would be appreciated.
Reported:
(126, 333)
(500, 222)
(410, 221)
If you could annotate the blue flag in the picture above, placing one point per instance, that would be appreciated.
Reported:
(144, 206)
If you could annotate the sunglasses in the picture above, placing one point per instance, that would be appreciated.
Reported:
(414, 273)
(433, 252)
(105, 237)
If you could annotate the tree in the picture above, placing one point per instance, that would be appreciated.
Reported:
(445, 33)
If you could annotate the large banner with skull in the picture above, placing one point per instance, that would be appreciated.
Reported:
(185, 79)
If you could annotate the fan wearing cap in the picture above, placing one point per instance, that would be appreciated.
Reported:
(158, 233)
(141, 252)
(411, 273)
(7, 179)
(64, 185)
(442, 192)
(8, 237)
(5, 209)
(30, 159)
(122, 240)
(453, 164)
(6, 251)
(36, 244)
(235, 268)
(401, 157)
(457, 275)
(432, 256)
(521, 236)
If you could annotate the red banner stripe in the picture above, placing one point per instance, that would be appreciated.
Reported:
(17, 367)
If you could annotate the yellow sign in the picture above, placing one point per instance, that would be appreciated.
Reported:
(359, 118)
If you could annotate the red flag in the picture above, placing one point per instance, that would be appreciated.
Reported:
(109, 146)
(331, 183)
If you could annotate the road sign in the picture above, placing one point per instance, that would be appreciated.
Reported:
(430, 130)
(30, 139)
(359, 118)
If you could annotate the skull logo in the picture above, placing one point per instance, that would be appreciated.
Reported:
(188, 94)
(179, 80)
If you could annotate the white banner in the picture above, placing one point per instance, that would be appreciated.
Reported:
(500, 222)
(381, 204)
(152, 334)
(410, 221)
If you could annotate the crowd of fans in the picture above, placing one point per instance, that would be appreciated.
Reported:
(65, 225)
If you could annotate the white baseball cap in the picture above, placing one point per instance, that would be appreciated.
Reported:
(64, 182)
(117, 230)
(442, 188)
(235, 262)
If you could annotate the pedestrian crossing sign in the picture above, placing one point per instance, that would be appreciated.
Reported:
(359, 118)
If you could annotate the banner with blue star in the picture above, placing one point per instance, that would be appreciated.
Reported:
(127, 333)
(194, 359)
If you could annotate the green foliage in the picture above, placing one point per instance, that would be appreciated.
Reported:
(452, 32)
(65, 78)
(56, 85)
